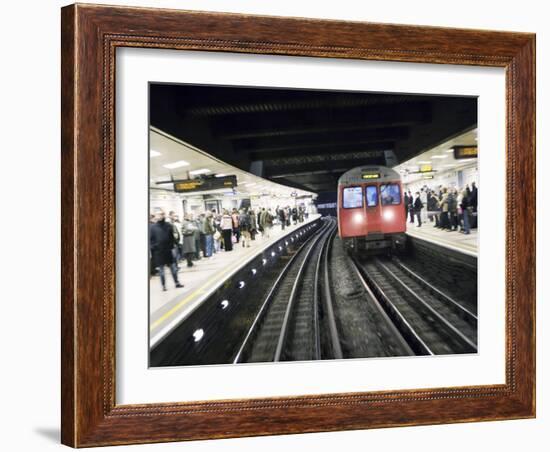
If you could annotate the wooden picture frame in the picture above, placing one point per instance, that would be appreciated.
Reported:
(90, 36)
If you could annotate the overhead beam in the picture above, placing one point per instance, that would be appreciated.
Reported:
(322, 139)
(305, 159)
(323, 150)
(292, 170)
(355, 119)
(319, 147)
(320, 100)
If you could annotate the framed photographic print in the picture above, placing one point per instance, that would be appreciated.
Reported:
(281, 225)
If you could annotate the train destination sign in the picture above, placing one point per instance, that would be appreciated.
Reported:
(214, 183)
(465, 152)
(370, 175)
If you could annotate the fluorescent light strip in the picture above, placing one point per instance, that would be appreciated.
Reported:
(199, 171)
(153, 153)
(177, 164)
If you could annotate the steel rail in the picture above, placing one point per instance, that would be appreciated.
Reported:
(462, 311)
(391, 325)
(239, 355)
(293, 294)
(316, 327)
(329, 307)
(443, 321)
(415, 342)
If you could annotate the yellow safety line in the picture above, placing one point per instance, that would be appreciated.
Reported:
(198, 291)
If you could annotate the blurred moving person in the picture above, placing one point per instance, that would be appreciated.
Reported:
(162, 244)
(244, 227)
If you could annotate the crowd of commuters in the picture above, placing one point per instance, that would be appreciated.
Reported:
(200, 236)
(449, 209)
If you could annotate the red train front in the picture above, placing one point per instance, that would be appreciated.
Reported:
(371, 214)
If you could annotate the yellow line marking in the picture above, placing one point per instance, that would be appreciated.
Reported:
(198, 291)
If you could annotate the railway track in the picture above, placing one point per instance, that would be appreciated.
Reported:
(326, 305)
(364, 328)
(287, 326)
(431, 321)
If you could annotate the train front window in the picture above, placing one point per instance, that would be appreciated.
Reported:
(371, 193)
(353, 197)
(390, 194)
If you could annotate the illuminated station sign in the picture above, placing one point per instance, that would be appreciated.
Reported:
(426, 169)
(214, 183)
(465, 152)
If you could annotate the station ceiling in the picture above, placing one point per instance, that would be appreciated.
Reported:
(306, 138)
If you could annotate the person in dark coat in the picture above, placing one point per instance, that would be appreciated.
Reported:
(282, 220)
(417, 206)
(465, 207)
(245, 227)
(162, 243)
(453, 211)
(197, 235)
(411, 207)
(473, 197)
(188, 232)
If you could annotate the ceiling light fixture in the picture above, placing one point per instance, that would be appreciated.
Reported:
(199, 171)
(177, 164)
(153, 153)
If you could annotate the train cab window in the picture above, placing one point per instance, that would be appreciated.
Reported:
(371, 193)
(390, 194)
(353, 197)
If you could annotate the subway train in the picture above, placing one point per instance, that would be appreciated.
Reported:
(371, 214)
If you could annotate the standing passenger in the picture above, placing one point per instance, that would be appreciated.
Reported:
(227, 231)
(465, 206)
(444, 205)
(453, 217)
(411, 208)
(162, 243)
(424, 199)
(235, 224)
(417, 206)
(282, 220)
(266, 221)
(244, 227)
(197, 235)
(209, 231)
(188, 228)
(253, 224)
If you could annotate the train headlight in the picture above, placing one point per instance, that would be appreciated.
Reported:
(358, 218)
(388, 215)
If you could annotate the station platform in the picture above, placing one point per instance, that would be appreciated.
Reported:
(454, 240)
(167, 309)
